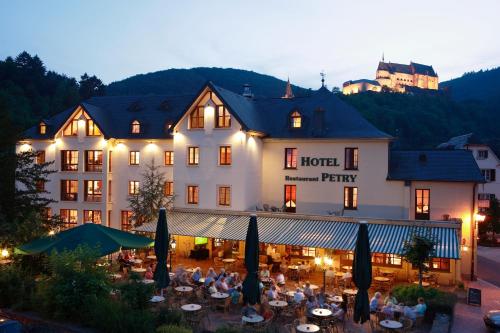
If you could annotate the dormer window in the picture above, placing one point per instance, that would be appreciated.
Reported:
(296, 120)
(196, 118)
(223, 117)
(135, 127)
(42, 128)
(92, 129)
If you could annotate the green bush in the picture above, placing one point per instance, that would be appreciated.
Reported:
(166, 316)
(17, 287)
(437, 301)
(227, 329)
(173, 329)
(136, 294)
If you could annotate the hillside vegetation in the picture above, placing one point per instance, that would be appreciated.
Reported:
(483, 85)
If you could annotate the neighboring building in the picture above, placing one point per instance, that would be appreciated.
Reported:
(488, 162)
(310, 166)
(402, 78)
(357, 86)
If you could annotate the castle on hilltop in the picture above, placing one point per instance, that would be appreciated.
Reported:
(397, 78)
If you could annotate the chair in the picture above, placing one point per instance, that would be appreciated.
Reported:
(407, 324)
(374, 327)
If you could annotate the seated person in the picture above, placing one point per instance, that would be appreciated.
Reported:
(322, 298)
(184, 280)
(222, 273)
(390, 299)
(236, 295)
(208, 280)
(375, 302)
(222, 285)
(212, 289)
(249, 310)
(388, 310)
(261, 286)
(307, 289)
(265, 273)
(311, 304)
(196, 275)
(280, 279)
(211, 273)
(272, 294)
(149, 273)
(298, 296)
(346, 278)
(283, 266)
(418, 310)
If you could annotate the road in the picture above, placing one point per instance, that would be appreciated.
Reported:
(488, 264)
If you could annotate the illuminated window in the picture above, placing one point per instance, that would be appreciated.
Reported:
(69, 160)
(296, 120)
(223, 117)
(109, 191)
(72, 128)
(93, 160)
(69, 217)
(109, 160)
(308, 251)
(135, 127)
(169, 188)
(192, 194)
(169, 158)
(92, 129)
(346, 258)
(385, 259)
(290, 158)
(290, 198)
(351, 159)
(437, 264)
(225, 155)
(92, 216)
(350, 197)
(422, 203)
(193, 155)
(40, 157)
(134, 158)
(69, 190)
(224, 196)
(92, 190)
(126, 220)
(196, 118)
(133, 187)
(42, 128)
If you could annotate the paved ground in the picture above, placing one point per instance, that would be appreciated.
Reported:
(488, 264)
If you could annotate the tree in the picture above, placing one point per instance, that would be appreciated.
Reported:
(150, 197)
(91, 86)
(418, 251)
(491, 224)
(336, 90)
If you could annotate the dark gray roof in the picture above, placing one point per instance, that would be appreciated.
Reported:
(412, 68)
(434, 165)
(374, 82)
(422, 69)
(460, 142)
(324, 115)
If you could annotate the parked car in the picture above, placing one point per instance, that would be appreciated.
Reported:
(492, 320)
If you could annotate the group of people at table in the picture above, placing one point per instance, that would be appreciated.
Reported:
(392, 309)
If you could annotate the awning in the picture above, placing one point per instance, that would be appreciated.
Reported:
(321, 232)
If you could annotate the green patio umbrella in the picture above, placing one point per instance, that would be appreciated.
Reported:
(362, 274)
(251, 290)
(104, 239)
(161, 276)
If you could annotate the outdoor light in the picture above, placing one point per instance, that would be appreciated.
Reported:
(209, 107)
(5, 253)
(173, 244)
(329, 262)
(317, 261)
(52, 233)
(479, 217)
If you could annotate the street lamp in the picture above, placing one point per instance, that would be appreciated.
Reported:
(5, 253)
(173, 245)
(323, 263)
(477, 218)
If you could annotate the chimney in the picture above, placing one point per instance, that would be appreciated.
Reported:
(247, 92)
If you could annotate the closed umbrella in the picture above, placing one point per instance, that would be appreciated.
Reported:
(251, 290)
(161, 276)
(362, 274)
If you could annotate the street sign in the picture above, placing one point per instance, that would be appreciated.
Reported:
(474, 297)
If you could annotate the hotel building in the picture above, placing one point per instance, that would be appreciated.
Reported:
(310, 167)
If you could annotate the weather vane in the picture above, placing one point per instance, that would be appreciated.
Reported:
(322, 78)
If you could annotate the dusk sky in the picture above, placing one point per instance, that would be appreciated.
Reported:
(346, 39)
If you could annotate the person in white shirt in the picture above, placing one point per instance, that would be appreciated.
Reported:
(280, 278)
(222, 285)
(308, 290)
(298, 296)
(265, 273)
(269, 250)
(212, 289)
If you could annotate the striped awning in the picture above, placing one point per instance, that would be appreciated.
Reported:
(329, 233)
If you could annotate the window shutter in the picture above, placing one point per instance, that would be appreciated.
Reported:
(492, 175)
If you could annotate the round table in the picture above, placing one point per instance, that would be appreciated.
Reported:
(424, 284)
(148, 281)
(136, 261)
(335, 299)
(312, 286)
(171, 274)
(383, 271)
(190, 270)
(229, 260)
(252, 319)
(184, 289)
(152, 257)
(351, 292)
(201, 280)
(116, 276)
(157, 299)
(219, 295)
(191, 307)
(5, 261)
(278, 304)
(138, 270)
(390, 324)
(290, 293)
(263, 265)
(381, 279)
(347, 268)
(321, 312)
(308, 328)
(426, 276)
(293, 267)
(339, 274)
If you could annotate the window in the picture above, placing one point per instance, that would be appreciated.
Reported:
(224, 196)
(92, 216)
(69, 190)
(422, 203)
(290, 158)
(225, 155)
(72, 128)
(196, 118)
(192, 194)
(482, 154)
(69, 217)
(384, 259)
(40, 157)
(351, 159)
(485, 196)
(42, 128)
(346, 258)
(109, 161)
(296, 120)
(193, 155)
(134, 158)
(69, 160)
(350, 197)
(489, 174)
(290, 198)
(308, 251)
(40, 185)
(93, 160)
(92, 190)
(169, 158)
(46, 213)
(92, 129)
(440, 264)
(126, 220)
(109, 191)
(223, 117)
(133, 187)
(169, 188)
(135, 127)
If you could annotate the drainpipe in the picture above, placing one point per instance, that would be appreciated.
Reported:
(473, 230)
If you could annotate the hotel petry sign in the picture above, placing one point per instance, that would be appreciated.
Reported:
(306, 161)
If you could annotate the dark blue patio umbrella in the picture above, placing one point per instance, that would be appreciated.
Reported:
(161, 276)
(362, 274)
(251, 290)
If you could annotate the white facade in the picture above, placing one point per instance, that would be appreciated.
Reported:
(487, 161)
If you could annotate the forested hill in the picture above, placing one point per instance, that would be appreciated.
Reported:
(189, 81)
(482, 85)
